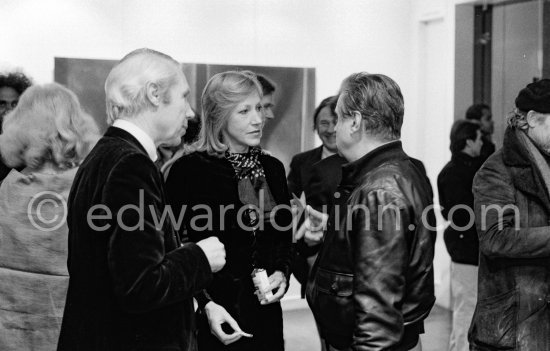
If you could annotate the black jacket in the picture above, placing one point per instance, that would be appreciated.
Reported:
(513, 305)
(131, 283)
(454, 184)
(300, 172)
(201, 183)
(374, 275)
(487, 149)
(4, 170)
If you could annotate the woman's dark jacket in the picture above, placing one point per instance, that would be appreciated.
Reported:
(513, 308)
(201, 183)
(374, 274)
(454, 184)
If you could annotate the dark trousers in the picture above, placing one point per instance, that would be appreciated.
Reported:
(411, 336)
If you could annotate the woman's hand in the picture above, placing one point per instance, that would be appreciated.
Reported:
(217, 315)
(276, 281)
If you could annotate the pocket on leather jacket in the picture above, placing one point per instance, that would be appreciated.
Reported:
(495, 321)
(331, 300)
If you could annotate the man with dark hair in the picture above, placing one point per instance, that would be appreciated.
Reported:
(372, 285)
(12, 85)
(324, 121)
(305, 177)
(481, 114)
(457, 201)
(268, 90)
(512, 208)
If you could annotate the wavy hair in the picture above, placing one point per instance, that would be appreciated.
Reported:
(378, 99)
(220, 97)
(15, 80)
(48, 125)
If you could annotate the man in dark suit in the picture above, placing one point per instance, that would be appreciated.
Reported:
(132, 278)
(324, 121)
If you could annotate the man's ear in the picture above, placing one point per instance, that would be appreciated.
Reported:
(356, 123)
(469, 143)
(532, 118)
(153, 95)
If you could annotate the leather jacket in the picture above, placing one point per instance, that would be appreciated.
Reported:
(374, 274)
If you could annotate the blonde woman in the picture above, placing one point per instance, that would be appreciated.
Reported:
(227, 174)
(47, 135)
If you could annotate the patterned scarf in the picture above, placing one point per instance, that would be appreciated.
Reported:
(246, 165)
(252, 185)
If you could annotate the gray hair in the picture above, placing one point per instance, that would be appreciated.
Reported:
(379, 101)
(125, 87)
(517, 119)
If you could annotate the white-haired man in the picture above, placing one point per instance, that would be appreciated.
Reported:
(131, 278)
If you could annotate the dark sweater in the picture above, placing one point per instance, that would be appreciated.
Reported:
(455, 188)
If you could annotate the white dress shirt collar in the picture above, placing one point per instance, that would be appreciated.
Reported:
(144, 139)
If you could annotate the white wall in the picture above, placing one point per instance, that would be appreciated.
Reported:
(337, 40)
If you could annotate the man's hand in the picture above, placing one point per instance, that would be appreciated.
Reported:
(214, 251)
(313, 227)
(217, 315)
(277, 281)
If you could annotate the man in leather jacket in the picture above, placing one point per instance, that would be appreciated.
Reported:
(372, 285)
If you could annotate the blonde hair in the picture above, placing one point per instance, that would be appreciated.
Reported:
(125, 87)
(48, 125)
(220, 97)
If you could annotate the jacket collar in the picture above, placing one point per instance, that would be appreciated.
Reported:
(462, 158)
(114, 132)
(354, 171)
(527, 176)
(144, 139)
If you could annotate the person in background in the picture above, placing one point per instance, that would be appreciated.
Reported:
(12, 85)
(372, 285)
(457, 202)
(315, 173)
(46, 136)
(512, 209)
(324, 121)
(224, 185)
(132, 278)
(268, 101)
(170, 151)
(481, 114)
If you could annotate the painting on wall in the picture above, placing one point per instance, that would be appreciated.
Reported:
(290, 132)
